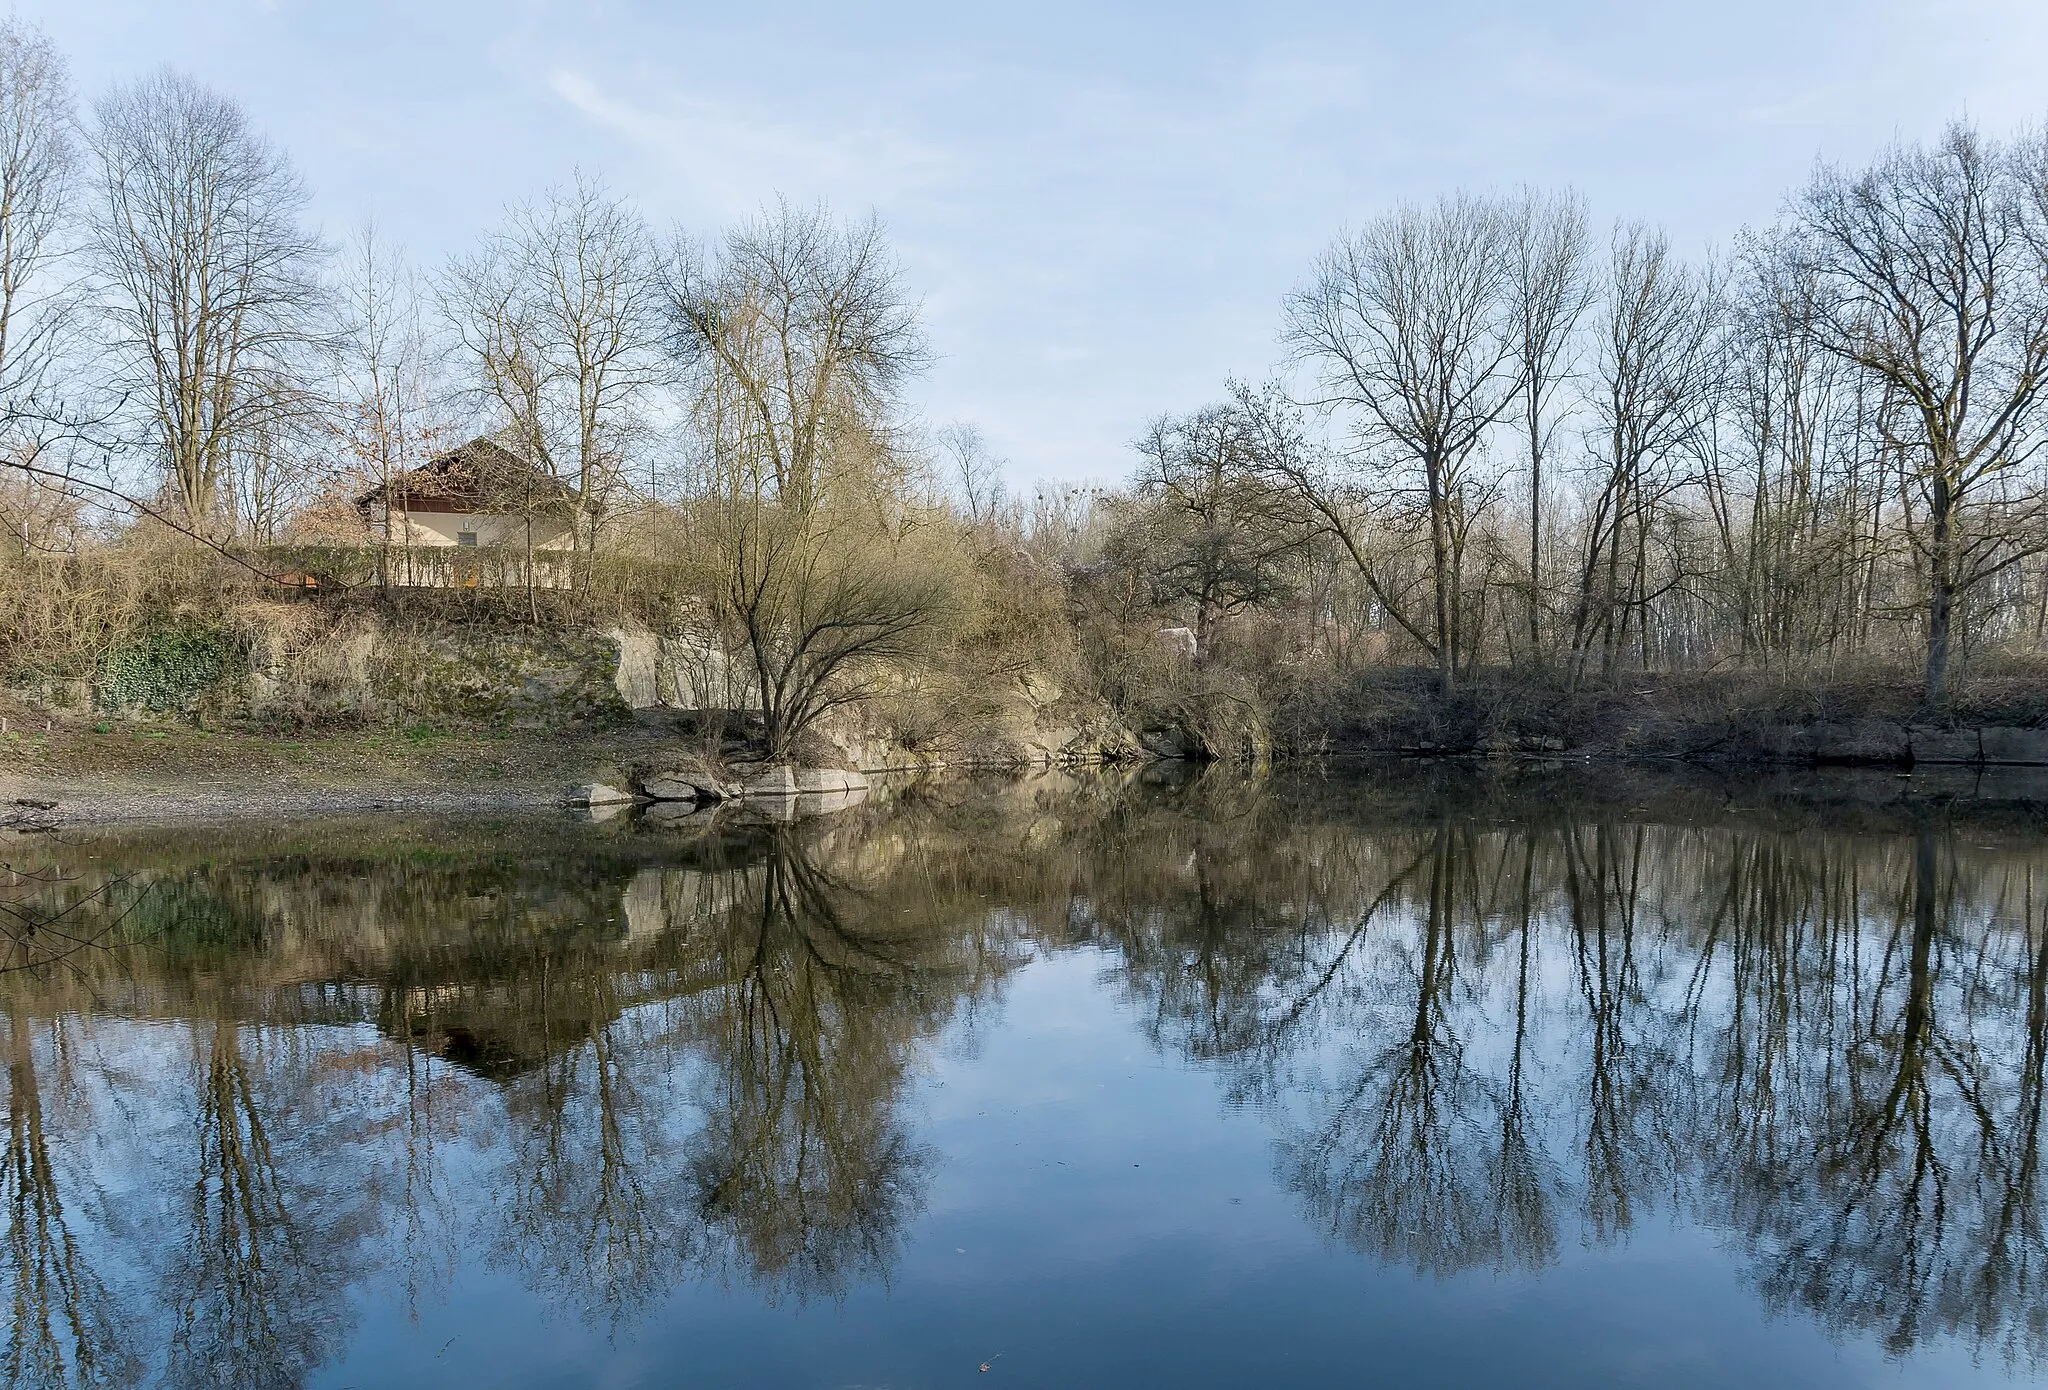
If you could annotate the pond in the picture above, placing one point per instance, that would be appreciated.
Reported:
(1459, 1078)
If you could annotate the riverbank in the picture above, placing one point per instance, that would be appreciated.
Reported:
(64, 768)
(71, 771)
(59, 766)
(1739, 718)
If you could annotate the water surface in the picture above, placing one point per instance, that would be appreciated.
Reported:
(1371, 1078)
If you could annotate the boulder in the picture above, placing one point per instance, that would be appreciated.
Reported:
(1170, 742)
(663, 813)
(1787, 743)
(1861, 741)
(811, 780)
(666, 786)
(597, 794)
(685, 780)
(2028, 747)
(782, 780)
(772, 781)
(1931, 745)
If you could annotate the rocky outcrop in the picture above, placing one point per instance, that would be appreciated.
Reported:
(685, 779)
(682, 670)
(782, 779)
(1881, 743)
(598, 794)
(2022, 747)
(364, 667)
(1171, 741)
(694, 780)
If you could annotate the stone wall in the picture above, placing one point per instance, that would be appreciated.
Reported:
(364, 669)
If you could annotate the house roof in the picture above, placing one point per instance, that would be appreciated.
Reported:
(482, 476)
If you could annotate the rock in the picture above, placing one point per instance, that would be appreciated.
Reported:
(638, 676)
(665, 813)
(782, 780)
(1180, 641)
(1932, 745)
(773, 781)
(1038, 691)
(2024, 746)
(1787, 743)
(694, 672)
(829, 779)
(599, 814)
(687, 780)
(1170, 742)
(598, 794)
(1861, 741)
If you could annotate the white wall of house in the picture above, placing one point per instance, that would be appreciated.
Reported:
(448, 528)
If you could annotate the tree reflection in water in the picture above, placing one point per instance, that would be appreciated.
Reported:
(615, 1061)
(1830, 1044)
(62, 1319)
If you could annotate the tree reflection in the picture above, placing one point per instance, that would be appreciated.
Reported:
(1480, 1035)
(62, 1322)
(1832, 1046)
(1919, 1215)
(805, 1166)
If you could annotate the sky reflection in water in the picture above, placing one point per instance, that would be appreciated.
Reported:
(1298, 1081)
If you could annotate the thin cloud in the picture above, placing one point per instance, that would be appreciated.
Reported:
(732, 160)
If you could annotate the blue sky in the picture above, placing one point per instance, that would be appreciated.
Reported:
(1101, 205)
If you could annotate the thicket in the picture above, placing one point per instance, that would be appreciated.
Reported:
(1514, 480)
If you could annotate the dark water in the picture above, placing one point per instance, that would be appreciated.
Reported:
(1373, 1080)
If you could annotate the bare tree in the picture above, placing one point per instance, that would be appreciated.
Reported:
(1654, 385)
(277, 461)
(1213, 529)
(1933, 265)
(800, 336)
(1406, 326)
(385, 391)
(1798, 508)
(974, 471)
(796, 335)
(558, 317)
(37, 166)
(1550, 290)
(209, 281)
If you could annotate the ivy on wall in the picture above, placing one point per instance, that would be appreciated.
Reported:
(166, 668)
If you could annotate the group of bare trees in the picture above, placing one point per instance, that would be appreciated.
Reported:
(162, 302)
(1495, 442)
(175, 336)
(1520, 448)
(177, 343)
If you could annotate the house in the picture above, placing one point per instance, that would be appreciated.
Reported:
(481, 498)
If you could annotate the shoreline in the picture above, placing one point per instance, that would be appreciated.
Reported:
(240, 796)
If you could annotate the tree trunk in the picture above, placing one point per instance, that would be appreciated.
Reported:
(1440, 574)
(1940, 589)
(1535, 530)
